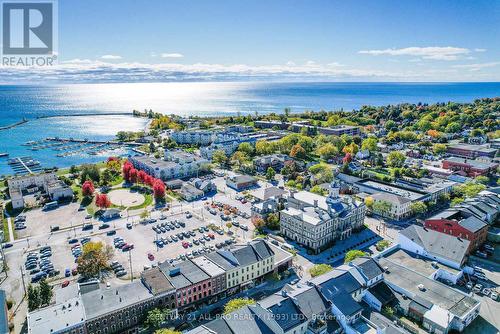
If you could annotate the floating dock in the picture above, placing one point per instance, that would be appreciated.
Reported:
(25, 165)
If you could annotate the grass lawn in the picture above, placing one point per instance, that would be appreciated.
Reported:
(117, 181)
(5, 230)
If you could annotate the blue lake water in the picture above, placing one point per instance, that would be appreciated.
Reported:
(202, 99)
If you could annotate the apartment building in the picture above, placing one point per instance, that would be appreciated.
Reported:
(471, 151)
(176, 164)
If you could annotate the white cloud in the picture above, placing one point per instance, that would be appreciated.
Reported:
(478, 66)
(111, 57)
(479, 50)
(430, 52)
(172, 55)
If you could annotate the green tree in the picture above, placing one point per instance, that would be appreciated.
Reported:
(246, 148)
(317, 189)
(45, 292)
(33, 297)
(327, 151)
(469, 189)
(322, 173)
(273, 221)
(264, 147)
(320, 269)
(236, 304)
(396, 159)
(353, 254)
(382, 207)
(439, 148)
(219, 157)
(95, 258)
(482, 179)
(418, 208)
(369, 144)
(167, 331)
(107, 177)
(155, 318)
(89, 172)
(270, 173)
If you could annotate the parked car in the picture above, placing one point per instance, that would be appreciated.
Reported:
(482, 254)
(65, 284)
(112, 232)
(103, 226)
(72, 241)
(150, 257)
(129, 226)
(121, 273)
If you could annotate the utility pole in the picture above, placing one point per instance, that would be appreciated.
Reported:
(130, 262)
(22, 279)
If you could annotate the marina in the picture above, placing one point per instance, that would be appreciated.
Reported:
(25, 165)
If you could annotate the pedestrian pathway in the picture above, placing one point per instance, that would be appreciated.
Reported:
(11, 230)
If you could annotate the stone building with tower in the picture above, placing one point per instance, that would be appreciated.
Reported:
(316, 222)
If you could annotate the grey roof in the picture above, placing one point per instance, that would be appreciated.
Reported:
(368, 267)
(382, 292)
(287, 315)
(220, 260)
(472, 224)
(245, 255)
(104, 300)
(391, 198)
(434, 292)
(266, 193)
(338, 290)
(310, 301)
(437, 243)
(156, 281)
(188, 273)
(246, 321)
(209, 267)
(218, 326)
(262, 249)
(474, 163)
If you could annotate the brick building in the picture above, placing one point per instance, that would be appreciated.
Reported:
(469, 167)
(460, 224)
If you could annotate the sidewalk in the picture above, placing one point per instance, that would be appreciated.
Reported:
(11, 231)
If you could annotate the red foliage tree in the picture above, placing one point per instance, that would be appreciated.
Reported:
(347, 158)
(88, 188)
(149, 180)
(102, 201)
(158, 189)
(127, 167)
(142, 176)
(133, 175)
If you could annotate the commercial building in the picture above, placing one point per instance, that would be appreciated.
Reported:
(240, 182)
(316, 221)
(176, 164)
(330, 131)
(30, 185)
(436, 306)
(471, 151)
(443, 248)
(461, 224)
(400, 194)
(469, 167)
(196, 189)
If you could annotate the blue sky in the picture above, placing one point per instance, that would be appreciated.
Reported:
(170, 40)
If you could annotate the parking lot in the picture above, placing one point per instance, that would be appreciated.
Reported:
(64, 217)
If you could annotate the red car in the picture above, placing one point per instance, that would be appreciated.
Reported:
(185, 244)
(211, 235)
(151, 257)
(65, 284)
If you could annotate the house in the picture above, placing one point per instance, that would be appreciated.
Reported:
(274, 161)
(267, 201)
(241, 182)
(315, 221)
(196, 189)
(469, 167)
(443, 248)
(471, 151)
(461, 224)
